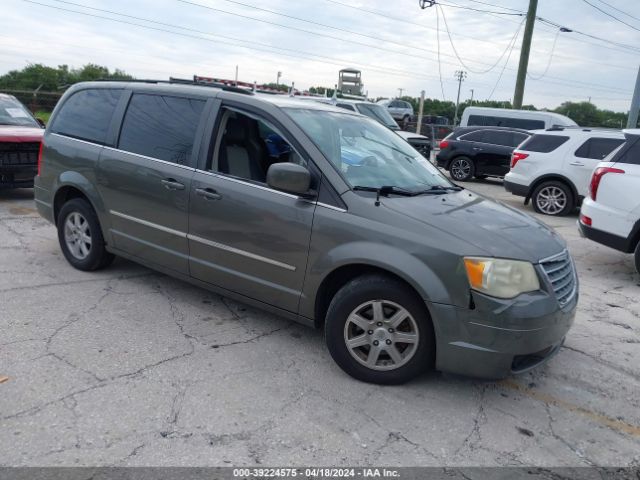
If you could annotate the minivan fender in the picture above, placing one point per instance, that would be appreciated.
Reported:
(369, 256)
(88, 189)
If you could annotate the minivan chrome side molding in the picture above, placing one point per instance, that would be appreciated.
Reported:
(204, 241)
(149, 224)
(244, 253)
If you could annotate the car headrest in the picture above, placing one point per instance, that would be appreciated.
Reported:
(235, 131)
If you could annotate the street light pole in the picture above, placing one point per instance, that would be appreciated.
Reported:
(278, 78)
(471, 102)
(460, 75)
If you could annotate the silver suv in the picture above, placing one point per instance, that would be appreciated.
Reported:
(399, 109)
(315, 213)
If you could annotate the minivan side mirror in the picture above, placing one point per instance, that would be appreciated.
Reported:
(289, 177)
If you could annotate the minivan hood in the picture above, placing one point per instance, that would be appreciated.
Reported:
(407, 135)
(490, 226)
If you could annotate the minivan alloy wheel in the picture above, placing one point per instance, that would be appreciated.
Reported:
(551, 200)
(381, 335)
(77, 235)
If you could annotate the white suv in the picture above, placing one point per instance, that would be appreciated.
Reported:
(553, 167)
(611, 213)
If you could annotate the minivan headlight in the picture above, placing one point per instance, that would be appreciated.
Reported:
(501, 278)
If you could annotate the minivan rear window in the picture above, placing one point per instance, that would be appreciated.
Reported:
(543, 143)
(86, 115)
(499, 121)
(161, 127)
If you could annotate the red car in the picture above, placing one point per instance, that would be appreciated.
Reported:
(20, 136)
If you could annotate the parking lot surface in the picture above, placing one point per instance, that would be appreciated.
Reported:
(130, 367)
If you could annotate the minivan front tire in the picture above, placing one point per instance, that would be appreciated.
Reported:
(379, 331)
(80, 236)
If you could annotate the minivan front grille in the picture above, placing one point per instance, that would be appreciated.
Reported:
(561, 273)
(19, 153)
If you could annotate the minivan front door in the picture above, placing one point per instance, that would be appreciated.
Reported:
(243, 235)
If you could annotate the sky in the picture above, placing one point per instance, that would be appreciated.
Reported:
(394, 43)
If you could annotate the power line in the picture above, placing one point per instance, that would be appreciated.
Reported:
(618, 10)
(254, 45)
(513, 44)
(438, 6)
(553, 49)
(497, 6)
(271, 49)
(610, 15)
(478, 10)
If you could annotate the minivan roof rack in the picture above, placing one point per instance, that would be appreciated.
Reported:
(183, 81)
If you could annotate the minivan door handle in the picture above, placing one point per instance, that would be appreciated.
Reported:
(577, 164)
(208, 193)
(172, 184)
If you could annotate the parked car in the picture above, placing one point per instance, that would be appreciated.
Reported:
(399, 109)
(554, 166)
(479, 152)
(506, 117)
(421, 143)
(402, 269)
(610, 215)
(20, 135)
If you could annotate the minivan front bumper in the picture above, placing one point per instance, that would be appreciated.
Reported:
(496, 338)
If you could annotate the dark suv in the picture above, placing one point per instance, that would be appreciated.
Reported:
(315, 213)
(20, 135)
(479, 151)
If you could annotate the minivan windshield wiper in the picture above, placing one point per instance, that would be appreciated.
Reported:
(442, 188)
(385, 190)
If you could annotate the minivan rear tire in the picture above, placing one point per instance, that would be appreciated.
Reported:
(393, 297)
(77, 218)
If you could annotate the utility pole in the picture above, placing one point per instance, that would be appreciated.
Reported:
(236, 83)
(420, 112)
(460, 75)
(400, 90)
(471, 102)
(278, 78)
(632, 120)
(524, 54)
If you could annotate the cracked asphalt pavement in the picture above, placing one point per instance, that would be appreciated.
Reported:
(130, 367)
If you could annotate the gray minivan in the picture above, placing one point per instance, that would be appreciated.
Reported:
(318, 214)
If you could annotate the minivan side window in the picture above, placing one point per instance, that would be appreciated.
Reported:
(598, 148)
(161, 127)
(247, 146)
(543, 143)
(86, 115)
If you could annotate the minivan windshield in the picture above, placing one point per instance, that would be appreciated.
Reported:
(14, 113)
(379, 113)
(368, 154)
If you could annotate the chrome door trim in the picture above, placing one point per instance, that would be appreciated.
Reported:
(186, 167)
(149, 224)
(237, 251)
(325, 205)
(249, 184)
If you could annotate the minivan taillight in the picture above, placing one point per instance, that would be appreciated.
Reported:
(40, 159)
(444, 144)
(596, 178)
(516, 157)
